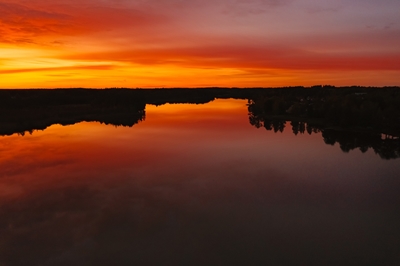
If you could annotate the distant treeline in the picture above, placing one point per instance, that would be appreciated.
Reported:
(122, 96)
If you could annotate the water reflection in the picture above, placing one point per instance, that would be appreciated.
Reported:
(386, 146)
(194, 185)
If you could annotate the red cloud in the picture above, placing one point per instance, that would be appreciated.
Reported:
(22, 24)
(32, 22)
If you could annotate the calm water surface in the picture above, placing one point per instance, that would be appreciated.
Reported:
(194, 185)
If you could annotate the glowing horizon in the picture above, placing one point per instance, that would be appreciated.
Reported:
(224, 43)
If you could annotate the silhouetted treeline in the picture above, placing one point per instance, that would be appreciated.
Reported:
(28, 120)
(27, 110)
(370, 108)
(111, 97)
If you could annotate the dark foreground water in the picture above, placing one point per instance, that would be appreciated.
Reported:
(194, 185)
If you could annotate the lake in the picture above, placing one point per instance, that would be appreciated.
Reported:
(195, 184)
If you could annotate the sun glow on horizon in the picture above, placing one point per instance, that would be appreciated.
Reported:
(226, 43)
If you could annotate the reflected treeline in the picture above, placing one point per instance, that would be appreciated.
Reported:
(386, 146)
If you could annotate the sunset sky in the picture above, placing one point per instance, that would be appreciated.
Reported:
(198, 43)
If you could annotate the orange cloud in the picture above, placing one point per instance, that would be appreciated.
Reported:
(195, 43)
(88, 67)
